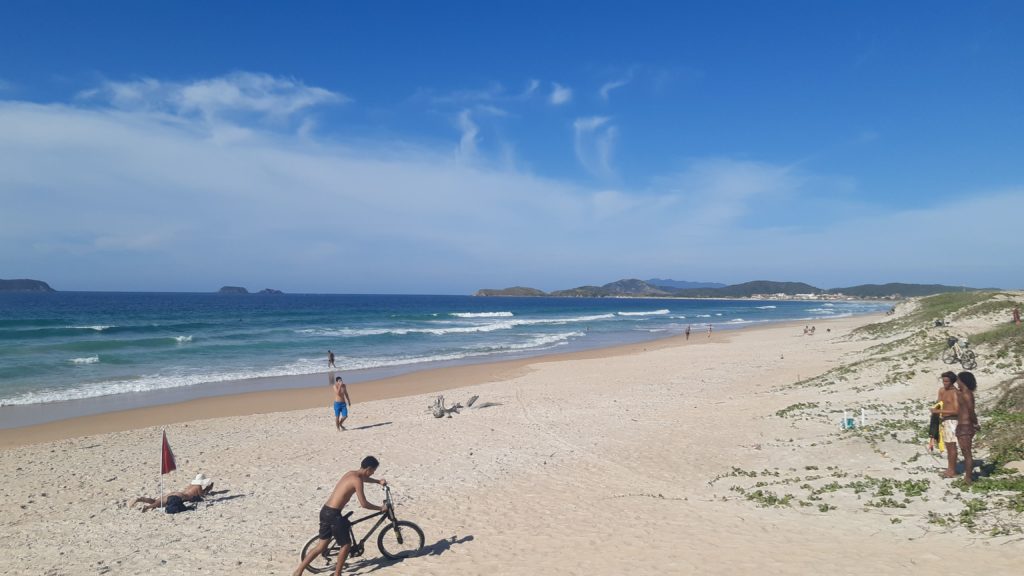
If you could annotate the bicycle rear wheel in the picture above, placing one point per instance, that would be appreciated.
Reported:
(969, 360)
(948, 355)
(325, 560)
(400, 540)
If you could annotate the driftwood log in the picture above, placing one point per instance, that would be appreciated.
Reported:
(439, 410)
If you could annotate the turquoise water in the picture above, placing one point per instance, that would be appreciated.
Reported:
(75, 345)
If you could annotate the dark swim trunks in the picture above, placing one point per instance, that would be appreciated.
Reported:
(964, 431)
(332, 523)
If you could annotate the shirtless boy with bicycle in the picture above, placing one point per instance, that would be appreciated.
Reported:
(332, 522)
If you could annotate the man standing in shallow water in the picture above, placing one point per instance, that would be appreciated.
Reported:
(332, 522)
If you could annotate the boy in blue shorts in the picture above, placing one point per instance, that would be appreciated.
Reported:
(341, 402)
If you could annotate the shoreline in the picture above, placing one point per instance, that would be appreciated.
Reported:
(430, 380)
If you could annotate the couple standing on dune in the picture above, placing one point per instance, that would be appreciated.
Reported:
(955, 422)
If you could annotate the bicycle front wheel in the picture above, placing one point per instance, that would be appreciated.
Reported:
(325, 560)
(400, 540)
(948, 355)
(969, 360)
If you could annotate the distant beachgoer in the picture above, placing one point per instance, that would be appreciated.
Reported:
(948, 417)
(966, 422)
(341, 402)
(332, 522)
(687, 331)
(1016, 315)
(709, 330)
(194, 492)
(807, 330)
(813, 328)
(330, 359)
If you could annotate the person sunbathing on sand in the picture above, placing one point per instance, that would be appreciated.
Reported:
(194, 492)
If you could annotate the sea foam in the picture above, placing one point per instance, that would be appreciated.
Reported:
(651, 313)
(482, 314)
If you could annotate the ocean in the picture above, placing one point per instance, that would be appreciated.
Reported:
(64, 346)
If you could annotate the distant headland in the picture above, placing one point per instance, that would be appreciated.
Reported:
(761, 289)
(25, 285)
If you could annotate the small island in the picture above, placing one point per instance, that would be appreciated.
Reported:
(514, 291)
(232, 290)
(25, 285)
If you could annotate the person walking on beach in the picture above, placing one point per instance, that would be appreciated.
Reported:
(330, 359)
(341, 402)
(687, 331)
(1016, 315)
(947, 413)
(966, 422)
(709, 330)
(332, 523)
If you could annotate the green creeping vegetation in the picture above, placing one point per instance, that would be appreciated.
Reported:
(834, 376)
(1003, 435)
(990, 307)
(885, 492)
(792, 409)
(898, 430)
(1003, 430)
(764, 498)
(1007, 344)
(927, 310)
(996, 512)
(999, 483)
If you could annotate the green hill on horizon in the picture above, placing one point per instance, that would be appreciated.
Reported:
(632, 287)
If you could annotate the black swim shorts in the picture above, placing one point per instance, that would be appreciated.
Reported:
(332, 523)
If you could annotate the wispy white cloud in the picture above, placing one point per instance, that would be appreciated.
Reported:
(469, 129)
(213, 98)
(559, 94)
(594, 141)
(491, 92)
(531, 88)
(607, 87)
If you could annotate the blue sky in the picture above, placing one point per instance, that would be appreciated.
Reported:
(443, 147)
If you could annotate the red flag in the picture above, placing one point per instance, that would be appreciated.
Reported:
(166, 457)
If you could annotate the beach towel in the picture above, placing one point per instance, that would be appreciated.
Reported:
(933, 426)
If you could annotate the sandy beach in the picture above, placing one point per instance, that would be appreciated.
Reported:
(633, 460)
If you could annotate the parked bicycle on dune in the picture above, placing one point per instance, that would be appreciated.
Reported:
(954, 353)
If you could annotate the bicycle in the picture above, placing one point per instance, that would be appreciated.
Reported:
(399, 539)
(955, 353)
